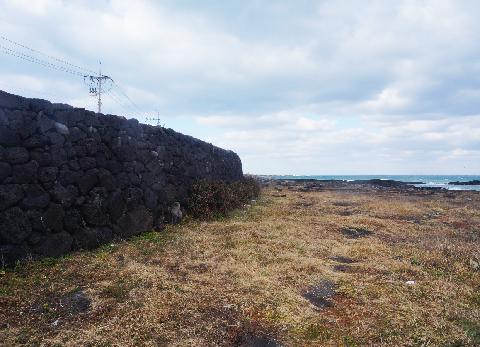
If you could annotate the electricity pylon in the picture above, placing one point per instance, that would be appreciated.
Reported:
(97, 91)
(158, 120)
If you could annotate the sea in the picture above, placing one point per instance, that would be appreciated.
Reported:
(427, 180)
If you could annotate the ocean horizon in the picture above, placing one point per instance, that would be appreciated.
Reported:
(441, 181)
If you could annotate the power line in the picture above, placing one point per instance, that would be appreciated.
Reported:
(114, 98)
(73, 70)
(43, 63)
(126, 96)
(46, 55)
(128, 106)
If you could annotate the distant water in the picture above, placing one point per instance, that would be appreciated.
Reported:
(427, 180)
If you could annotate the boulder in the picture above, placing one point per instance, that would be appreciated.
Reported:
(55, 138)
(34, 141)
(42, 158)
(116, 205)
(16, 155)
(95, 214)
(73, 221)
(64, 195)
(53, 218)
(25, 173)
(44, 123)
(61, 128)
(87, 163)
(14, 226)
(9, 137)
(176, 213)
(10, 194)
(48, 174)
(106, 180)
(90, 238)
(36, 220)
(35, 197)
(11, 253)
(5, 171)
(87, 181)
(134, 222)
(54, 245)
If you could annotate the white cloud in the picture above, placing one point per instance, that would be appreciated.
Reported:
(310, 87)
(386, 101)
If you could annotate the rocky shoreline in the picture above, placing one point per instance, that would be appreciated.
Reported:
(468, 183)
(312, 185)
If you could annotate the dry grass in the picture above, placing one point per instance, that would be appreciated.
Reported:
(213, 283)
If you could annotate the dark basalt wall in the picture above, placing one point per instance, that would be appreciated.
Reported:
(72, 179)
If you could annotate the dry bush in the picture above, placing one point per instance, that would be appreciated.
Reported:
(210, 199)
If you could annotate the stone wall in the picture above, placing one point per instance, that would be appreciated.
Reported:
(73, 179)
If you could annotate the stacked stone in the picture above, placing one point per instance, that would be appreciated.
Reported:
(72, 179)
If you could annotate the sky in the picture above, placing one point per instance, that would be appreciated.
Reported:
(293, 86)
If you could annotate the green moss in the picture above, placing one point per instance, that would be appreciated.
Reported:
(472, 329)
(349, 341)
(118, 290)
(316, 332)
(475, 299)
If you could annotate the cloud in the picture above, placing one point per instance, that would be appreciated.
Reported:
(386, 101)
(293, 87)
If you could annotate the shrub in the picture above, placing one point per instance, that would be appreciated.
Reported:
(210, 199)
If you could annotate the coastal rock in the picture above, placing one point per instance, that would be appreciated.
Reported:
(467, 183)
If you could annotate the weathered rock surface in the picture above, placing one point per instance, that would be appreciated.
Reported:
(467, 183)
(73, 179)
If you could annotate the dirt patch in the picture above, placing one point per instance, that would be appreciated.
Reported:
(76, 302)
(343, 203)
(320, 294)
(56, 308)
(303, 204)
(251, 340)
(343, 268)
(355, 233)
(343, 260)
(346, 213)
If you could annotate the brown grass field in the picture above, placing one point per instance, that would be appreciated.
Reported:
(240, 281)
